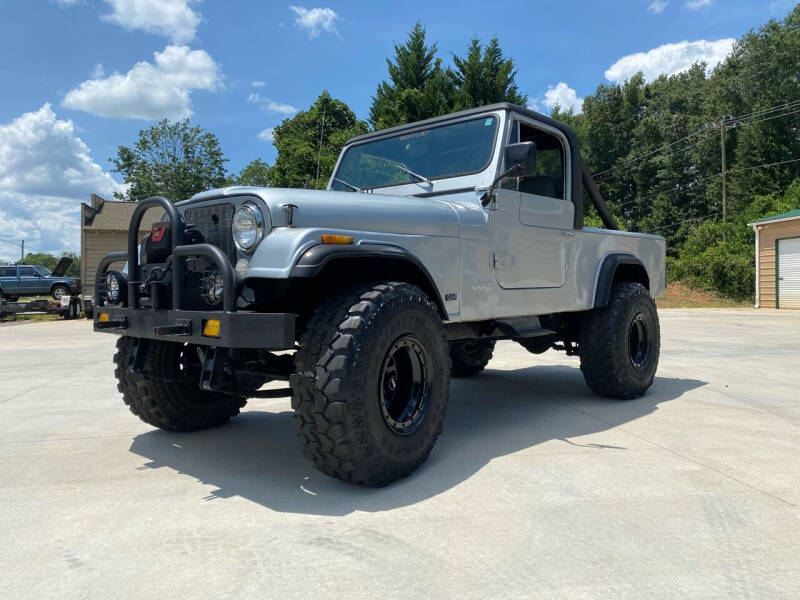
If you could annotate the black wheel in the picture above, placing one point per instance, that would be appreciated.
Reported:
(471, 357)
(166, 394)
(371, 386)
(620, 344)
(59, 290)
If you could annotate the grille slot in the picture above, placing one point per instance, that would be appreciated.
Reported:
(214, 222)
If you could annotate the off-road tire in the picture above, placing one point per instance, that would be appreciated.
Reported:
(59, 287)
(159, 400)
(471, 357)
(607, 338)
(336, 390)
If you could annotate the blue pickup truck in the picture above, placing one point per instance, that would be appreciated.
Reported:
(33, 280)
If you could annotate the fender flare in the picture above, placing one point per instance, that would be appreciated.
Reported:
(607, 271)
(313, 260)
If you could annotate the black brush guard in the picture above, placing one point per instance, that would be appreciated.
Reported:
(238, 329)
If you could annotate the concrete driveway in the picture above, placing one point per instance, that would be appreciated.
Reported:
(537, 489)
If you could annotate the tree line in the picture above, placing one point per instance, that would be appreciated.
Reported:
(654, 147)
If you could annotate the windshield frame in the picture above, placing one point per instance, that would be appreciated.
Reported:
(499, 129)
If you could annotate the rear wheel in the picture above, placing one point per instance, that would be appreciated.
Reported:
(166, 394)
(59, 291)
(371, 386)
(471, 357)
(620, 344)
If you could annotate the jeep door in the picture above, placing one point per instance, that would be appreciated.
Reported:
(10, 280)
(29, 281)
(533, 216)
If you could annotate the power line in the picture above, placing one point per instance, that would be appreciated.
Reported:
(683, 221)
(775, 164)
(775, 108)
(706, 129)
(704, 179)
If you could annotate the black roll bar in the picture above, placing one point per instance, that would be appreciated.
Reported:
(176, 221)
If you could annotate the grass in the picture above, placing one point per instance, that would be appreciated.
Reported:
(680, 295)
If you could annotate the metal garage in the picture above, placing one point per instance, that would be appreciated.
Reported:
(778, 260)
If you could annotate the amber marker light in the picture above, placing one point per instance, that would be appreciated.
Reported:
(102, 318)
(211, 328)
(328, 238)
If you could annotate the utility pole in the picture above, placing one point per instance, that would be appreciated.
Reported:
(724, 170)
(319, 152)
(23, 252)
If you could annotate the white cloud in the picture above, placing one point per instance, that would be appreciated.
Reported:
(98, 72)
(270, 105)
(560, 94)
(257, 84)
(45, 173)
(315, 20)
(658, 6)
(669, 59)
(266, 135)
(174, 19)
(697, 4)
(149, 91)
(68, 2)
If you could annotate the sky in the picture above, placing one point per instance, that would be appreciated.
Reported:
(82, 77)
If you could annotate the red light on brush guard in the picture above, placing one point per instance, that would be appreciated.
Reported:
(157, 233)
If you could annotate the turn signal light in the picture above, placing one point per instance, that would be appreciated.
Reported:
(328, 238)
(211, 328)
(102, 318)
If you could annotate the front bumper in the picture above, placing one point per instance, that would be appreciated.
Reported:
(270, 331)
(170, 320)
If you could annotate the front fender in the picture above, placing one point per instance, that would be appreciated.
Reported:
(289, 252)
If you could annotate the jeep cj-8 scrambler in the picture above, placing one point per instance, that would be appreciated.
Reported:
(432, 241)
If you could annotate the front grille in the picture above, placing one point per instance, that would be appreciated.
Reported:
(214, 223)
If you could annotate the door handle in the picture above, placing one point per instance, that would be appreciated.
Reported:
(570, 234)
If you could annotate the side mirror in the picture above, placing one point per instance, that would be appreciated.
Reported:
(520, 159)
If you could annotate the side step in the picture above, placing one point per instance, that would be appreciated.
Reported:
(497, 329)
(522, 327)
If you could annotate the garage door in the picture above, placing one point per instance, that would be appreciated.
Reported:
(789, 273)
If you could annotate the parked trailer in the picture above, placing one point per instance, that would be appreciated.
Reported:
(68, 307)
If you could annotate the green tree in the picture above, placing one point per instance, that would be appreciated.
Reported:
(257, 173)
(483, 77)
(310, 142)
(418, 86)
(43, 259)
(171, 159)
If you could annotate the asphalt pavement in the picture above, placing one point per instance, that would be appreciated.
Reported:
(536, 489)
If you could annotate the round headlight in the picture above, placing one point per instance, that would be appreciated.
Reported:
(116, 288)
(247, 227)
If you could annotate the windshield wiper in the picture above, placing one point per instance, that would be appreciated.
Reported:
(410, 172)
(350, 185)
(400, 166)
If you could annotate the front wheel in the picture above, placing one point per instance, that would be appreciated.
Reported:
(166, 394)
(371, 386)
(620, 344)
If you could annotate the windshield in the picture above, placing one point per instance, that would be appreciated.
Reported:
(442, 151)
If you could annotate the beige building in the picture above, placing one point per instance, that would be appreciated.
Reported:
(778, 260)
(104, 229)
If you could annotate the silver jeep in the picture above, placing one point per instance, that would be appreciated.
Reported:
(432, 241)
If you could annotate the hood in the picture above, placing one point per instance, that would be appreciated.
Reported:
(61, 267)
(352, 210)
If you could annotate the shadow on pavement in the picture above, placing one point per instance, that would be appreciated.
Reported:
(257, 455)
